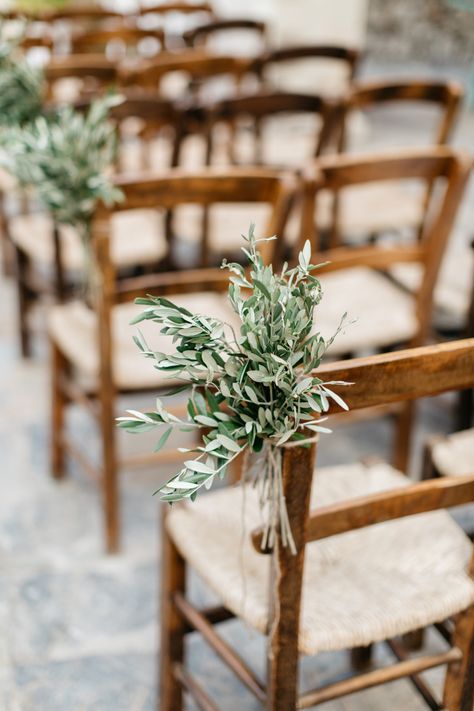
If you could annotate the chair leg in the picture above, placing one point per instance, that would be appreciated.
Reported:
(459, 684)
(465, 409)
(403, 435)
(173, 569)
(7, 247)
(24, 303)
(58, 405)
(110, 493)
(414, 641)
(428, 469)
(361, 657)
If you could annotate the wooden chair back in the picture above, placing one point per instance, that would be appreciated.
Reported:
(126, 39)
(175, 18)
(199, 67)
(202, 35)
(346, 57)
(446, 96)
(263, 105)
(206, 188)
(430, 165)
(79, 13)
(143, 117)
(378, 380)
(90, 73)
(183, 8)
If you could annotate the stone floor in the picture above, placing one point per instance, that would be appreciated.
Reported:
(78, 629)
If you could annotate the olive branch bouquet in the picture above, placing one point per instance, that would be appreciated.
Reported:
(65, 156)
(255, 391)
(21, 84)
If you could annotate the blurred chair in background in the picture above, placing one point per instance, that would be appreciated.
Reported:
(71, 77)
(371, 210)
(241, 36)
(175, 18)
(279, 68)
(359, 280)
(120, 43)
(93, 354)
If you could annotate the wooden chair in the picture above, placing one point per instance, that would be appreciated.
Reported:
(199, 68)
(370, 210)
(453, 454)
(356, 279)
(220, 31)
(175, 18)
(71, 77)
(182, 8)
(73, 13)
(50, 260)
(93, 355)
(386, 314)
(373, 584)
(192, 78)
(119, 42)
(279, 68)
(300, 126)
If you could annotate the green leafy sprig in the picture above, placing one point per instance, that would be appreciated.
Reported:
(21, 84)
(66, 157)
(253, 391)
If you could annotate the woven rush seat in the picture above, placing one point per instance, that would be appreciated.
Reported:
(453, 455)
(383, 313)
(359, 587)
(372, 209)
(73, 327)
(137, 238)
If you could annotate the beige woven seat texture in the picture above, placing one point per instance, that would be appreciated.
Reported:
(453, 455)
(383, 313)
(359, 587)
(73, 327)
(137, 238)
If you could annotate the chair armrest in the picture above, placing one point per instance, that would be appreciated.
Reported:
(179, 282)
(377, 508)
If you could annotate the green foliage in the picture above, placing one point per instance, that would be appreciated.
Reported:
(255, 390)
(65, 158)
(21, 85)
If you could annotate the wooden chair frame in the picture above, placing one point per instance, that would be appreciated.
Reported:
(184, 8)
(382, 379)
(94, 67)
(197, 64)
(346, 55)
(429, 165)
(168, 192)
(264, 104)
(198, 36)
(95, 40)
(447, 96)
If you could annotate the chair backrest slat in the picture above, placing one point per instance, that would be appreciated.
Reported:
(404, 375)
(446, 96)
